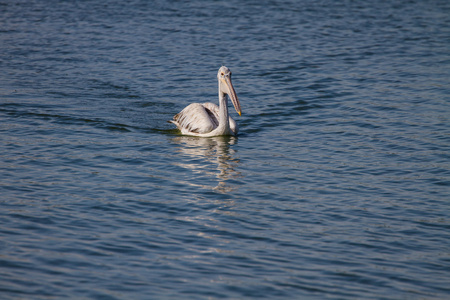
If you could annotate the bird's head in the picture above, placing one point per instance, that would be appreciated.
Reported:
(226, 87)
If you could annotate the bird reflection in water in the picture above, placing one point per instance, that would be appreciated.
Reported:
(205, 151)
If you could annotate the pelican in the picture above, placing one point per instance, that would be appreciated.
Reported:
(208, 119)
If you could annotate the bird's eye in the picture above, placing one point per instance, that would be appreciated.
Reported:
(221, 73)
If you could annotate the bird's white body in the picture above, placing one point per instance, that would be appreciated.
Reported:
(208, 119)
(203, 120)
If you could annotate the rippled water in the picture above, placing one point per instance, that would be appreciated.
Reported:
(337, 186)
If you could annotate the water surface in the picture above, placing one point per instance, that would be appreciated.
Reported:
(336, 187)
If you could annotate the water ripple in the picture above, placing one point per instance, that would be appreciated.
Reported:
(336, 186)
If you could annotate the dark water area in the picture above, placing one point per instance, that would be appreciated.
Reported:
(337, 186)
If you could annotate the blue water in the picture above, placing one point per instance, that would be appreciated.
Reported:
(337, 186)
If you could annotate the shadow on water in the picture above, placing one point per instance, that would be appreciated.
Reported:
(204, 152)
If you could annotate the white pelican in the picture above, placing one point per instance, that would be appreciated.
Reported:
(208, 119)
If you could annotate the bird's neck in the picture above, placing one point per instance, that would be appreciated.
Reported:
(224, 122)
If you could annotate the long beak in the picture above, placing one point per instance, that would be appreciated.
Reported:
(232, 94)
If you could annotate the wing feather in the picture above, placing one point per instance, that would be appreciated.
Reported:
(195, 119)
